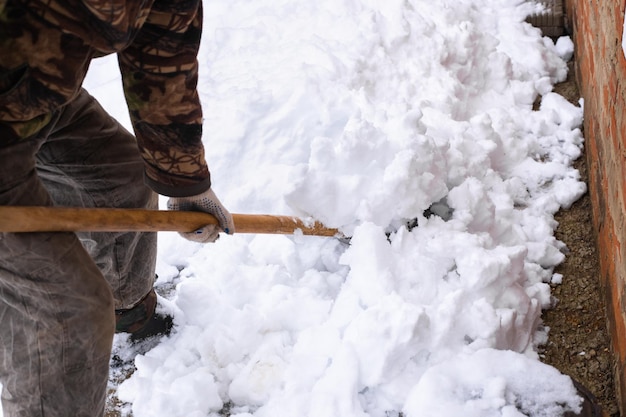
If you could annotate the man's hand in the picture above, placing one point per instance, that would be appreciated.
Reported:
(209, 203)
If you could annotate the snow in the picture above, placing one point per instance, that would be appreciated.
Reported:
(363, 115)
(624, 36)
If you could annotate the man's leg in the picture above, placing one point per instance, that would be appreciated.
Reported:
(56, 309)
(90, 160)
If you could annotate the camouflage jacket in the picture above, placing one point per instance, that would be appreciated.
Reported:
(45, 50)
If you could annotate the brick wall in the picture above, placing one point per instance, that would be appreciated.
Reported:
(596, 27)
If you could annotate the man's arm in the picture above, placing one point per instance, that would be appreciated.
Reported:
(160, 74)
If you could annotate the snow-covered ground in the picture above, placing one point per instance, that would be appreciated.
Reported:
(363, 114)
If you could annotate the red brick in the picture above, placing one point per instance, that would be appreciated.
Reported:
(601, 74)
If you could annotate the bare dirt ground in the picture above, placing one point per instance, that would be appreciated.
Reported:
(579, 343)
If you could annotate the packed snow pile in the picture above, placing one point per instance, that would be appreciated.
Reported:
(367, 115)
(363, 114)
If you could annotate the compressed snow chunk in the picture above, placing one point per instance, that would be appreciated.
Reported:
(256, 381)
(336, 392)
(192, 393)
(624, 37)
(384, 338)
(557, 279)
(565, 47)
(488, 382)
(568, 116)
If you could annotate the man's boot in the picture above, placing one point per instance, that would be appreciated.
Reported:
(141, 321)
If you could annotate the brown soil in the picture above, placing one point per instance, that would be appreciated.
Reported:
(579, 343)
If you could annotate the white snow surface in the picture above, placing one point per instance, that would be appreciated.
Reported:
(363, 114)
(624, 36)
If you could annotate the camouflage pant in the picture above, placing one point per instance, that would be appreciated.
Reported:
(58, 291)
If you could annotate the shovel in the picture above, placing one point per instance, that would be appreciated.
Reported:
(16, 219)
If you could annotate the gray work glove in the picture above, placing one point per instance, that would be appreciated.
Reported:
(209, 203)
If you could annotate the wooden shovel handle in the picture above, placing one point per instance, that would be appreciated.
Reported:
(14, 219)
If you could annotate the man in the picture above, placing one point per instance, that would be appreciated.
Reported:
(63, 295)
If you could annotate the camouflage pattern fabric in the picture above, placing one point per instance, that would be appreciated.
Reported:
(45, 50)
